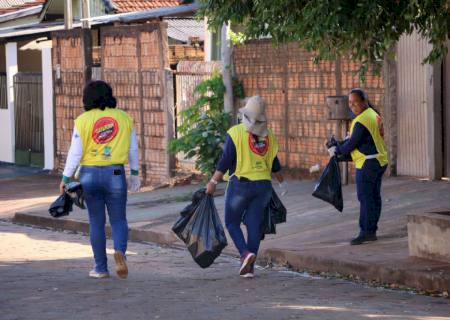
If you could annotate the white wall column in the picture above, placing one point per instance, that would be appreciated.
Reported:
(7, 117)
(47, 94)
(208, 43)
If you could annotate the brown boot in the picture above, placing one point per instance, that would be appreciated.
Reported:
(121, 264)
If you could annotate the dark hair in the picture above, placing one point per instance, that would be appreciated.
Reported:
(364, 97)
(98, 95)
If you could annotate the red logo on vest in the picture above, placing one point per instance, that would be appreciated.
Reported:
(105, 129)
(259, 148)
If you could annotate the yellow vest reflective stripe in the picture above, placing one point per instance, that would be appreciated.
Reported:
(249, 163)
(105, 136)
(373, 123)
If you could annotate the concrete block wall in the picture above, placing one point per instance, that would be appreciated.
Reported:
(295, 90)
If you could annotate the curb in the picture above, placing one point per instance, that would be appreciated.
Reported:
(138, 235)
(378, 273)
(419, 280)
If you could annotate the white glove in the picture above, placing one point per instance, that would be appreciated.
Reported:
(332, 151)
(134, 183)
(283, 188)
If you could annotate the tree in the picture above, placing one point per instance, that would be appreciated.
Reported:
(363, 29)
(204, 124)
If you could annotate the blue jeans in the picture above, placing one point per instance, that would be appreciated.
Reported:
(105, 187)
(251, 198)
(368, 187)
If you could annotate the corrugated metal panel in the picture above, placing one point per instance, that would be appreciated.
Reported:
(97, 8)
(183, 29)
(412, 106)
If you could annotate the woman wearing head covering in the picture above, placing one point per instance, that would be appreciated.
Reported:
(103, 141)
(368, 151)
(249, 157)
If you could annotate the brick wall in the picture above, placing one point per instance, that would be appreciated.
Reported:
(133, 62)
(295, 90)
(68, 67)
(134, 59)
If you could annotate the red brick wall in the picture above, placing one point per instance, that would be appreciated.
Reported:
(295, 90)
(133, 62)
(68, 62)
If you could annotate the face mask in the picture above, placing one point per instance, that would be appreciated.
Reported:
(254, 127)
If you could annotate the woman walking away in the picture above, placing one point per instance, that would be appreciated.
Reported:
(103, 141)
(368, 151)
(249, 157)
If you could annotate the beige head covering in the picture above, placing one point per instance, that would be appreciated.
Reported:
(254, 116)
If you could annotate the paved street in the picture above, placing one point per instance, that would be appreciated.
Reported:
(43, 275)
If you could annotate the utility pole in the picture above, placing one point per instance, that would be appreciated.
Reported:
(226, 68)
(68, 16)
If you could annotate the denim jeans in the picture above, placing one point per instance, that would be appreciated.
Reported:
(368, 187)
(249, 198)
(105, 187)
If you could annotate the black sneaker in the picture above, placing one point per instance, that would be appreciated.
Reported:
(363, 238)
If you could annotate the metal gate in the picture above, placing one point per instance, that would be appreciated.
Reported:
(412, 106)
(188, 76)
(29, 119)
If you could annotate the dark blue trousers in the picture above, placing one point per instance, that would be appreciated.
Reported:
(368, 187)
(250, 198)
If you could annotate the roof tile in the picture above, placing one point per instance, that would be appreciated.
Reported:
(139, 5)
(7, 6)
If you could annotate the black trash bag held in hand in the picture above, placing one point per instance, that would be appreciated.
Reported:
(75, 191)
(187, 213)
(277, 208)
(62, 206)
(203, 234)
(275, 213)
(329, 188)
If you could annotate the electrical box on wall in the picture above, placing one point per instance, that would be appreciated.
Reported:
(338, 108)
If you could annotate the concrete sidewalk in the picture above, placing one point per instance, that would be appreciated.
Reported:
(316, 236)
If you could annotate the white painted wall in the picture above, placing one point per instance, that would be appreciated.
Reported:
(7, 122)
(47, 87)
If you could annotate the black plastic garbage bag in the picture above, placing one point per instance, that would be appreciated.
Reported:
(278, 210)
(268, 225)
(329, 188)
(275, 213)
(75, 191)
(203, 234)
(62, 206)
(187, 213)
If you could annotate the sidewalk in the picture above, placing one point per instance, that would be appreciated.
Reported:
(316, 236)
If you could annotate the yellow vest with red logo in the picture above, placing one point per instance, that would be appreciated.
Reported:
(373, 123)
(105, 135)
(249, 163)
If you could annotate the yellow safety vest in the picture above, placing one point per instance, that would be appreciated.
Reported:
(105, 136)
(373, 123)
(249, 163)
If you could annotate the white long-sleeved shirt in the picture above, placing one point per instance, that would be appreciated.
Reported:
(76, 153)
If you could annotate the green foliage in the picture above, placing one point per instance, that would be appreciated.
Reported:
(365, 29)
(237, 37)
(204, 125)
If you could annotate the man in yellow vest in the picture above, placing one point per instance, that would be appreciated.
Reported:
(368, 151)
(103, 141)
(250, 158)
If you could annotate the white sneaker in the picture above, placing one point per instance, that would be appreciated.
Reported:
(98, 275)
(249, 275)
